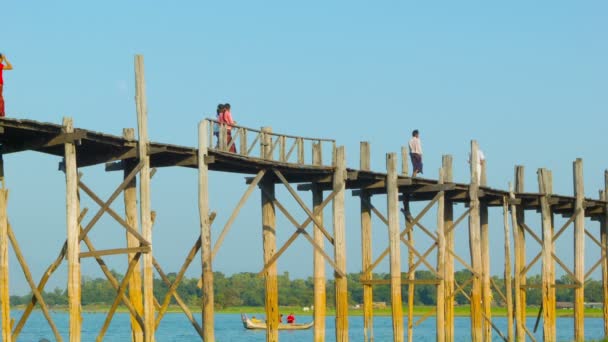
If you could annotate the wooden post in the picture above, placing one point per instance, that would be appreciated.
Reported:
(448, 221)
(507, 274)
(411, 274)
(519, 241)
(319, 263)
(144, 196)
(486, 293)
(475, 250)
(579, 251)
(206, 247)
(366, 249)
(441, 263)
(130, 199)
(5, 305)
(73, 234)
(392, 197)
(404, 161)
(604, 238)
(548, 272)
(339, 186)
(270, 245)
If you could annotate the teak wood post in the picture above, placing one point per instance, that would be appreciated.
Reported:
(130, 200)
(270, 244)
(144, 196)
(519, 242)
(206, 247)
(73, 234)
(441, 251)
(548, 272)
(366, 248)
(339, 186)
(508, 271)
(475, 250)
(448, 221)
(319, 263)
(5, 306)
(486, 293)
(404, 161)
(579, 251)
(411, 274)
(604, 240)
(392, 198)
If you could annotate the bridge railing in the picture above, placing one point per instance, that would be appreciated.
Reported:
(285, 148)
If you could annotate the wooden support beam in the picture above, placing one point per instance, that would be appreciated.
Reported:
(366, 249)
(61, 138)
(604, 240)
(73, 235)
(5, 305)
(144, 196)
(404, 281)
(394, 245)
(448, 225)
(411, 288)
(339, 186)
(441, 252)
(519, 241)
(508, 274)
(548, 267)
(320, 296)
(115, 251)
(475, 250)
(404, 161)
(486, 289)
(579, 251)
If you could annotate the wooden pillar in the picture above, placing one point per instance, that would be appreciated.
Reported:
(73, 234)
(441, 264)
(392, 197)
(339, 186)
(548, 272)
(475, 250)
(411, 276)
(270, 245)
(579, 251)
(5, 305)
(320, 296)
(366, 249)
(206, 247)
(486, 292)
(130, 200)
(604, 239)
(404, 161)
(508, 271)
(519, 241)
(448, 221)
(144, 196)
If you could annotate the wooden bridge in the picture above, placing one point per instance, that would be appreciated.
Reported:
(296, 163)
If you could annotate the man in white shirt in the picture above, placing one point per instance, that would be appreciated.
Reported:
(480, 161)
(416, 153)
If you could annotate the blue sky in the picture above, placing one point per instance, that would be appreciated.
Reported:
(527, 80)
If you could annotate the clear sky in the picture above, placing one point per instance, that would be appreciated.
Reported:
(528, 80)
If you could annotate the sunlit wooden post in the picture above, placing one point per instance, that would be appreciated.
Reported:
(366, 248)
(519, 242)
(508, 270)
(548, 272)
(206, 247)
(604, 238)
(5, 305)
(145, 206)
(339, 186)
(130, 200)
(270, 245)
(441, 251)
(486, 292)
(579, 251)
(392, 195)
(319, 263)
(448, 221)
(475, 250)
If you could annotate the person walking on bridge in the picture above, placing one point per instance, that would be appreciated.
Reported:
(416, 153)
(4, 65)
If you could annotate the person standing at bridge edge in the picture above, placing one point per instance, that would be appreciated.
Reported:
(416, 153)
(226, 118)
(4, 65)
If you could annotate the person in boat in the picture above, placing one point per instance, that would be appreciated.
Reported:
(255, 320)
(291, 318)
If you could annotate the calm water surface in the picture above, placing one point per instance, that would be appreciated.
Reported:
(176, 327)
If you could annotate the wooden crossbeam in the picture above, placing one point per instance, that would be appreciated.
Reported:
(420, 260)
(41, 143)
(420, 257)
(114, 251)
(462, 262)
(532, 233)
(423, 228)
(458, 220)
(375, 210)
(425, 317)
(404, 281)
(497, 289)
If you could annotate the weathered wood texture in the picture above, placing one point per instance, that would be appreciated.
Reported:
(519, 242)
(441, 251)
(318, 261)
(475, 251)
(548, 266)
(73, 235)
(144, 196)
(604, 238)
(4, 270)
(394, 245)
(508, 269)
(206, 247)
(486, 291)
(339, 224)
(366, 248)
(579, 251)
(448, 221)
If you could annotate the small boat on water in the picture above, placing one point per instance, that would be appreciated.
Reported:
(248, 324)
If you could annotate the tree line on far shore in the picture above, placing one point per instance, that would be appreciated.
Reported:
(247, 289)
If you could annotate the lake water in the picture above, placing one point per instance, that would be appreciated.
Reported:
(228, 327)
